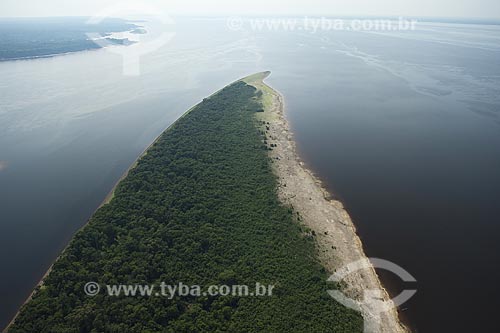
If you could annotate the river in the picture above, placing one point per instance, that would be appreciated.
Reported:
(403, 127)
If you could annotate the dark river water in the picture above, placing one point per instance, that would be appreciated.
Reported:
(403, 127)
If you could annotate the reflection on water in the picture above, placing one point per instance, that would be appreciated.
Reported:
(403, 126)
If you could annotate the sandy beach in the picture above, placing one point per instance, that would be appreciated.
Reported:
(337, 241)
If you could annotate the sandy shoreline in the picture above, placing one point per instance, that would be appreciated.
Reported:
(337, 241)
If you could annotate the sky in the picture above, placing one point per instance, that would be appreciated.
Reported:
(417, 8)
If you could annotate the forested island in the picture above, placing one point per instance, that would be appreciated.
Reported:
(200, 207)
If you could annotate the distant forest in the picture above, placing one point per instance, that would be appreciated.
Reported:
(40, 37)
(200, 208)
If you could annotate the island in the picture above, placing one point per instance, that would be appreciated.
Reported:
(220, 198)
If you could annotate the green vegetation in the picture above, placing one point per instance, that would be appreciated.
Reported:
(199, 208)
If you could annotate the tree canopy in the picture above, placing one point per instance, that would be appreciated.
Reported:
(200, 208)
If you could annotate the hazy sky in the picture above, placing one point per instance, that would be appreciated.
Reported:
(439, 8)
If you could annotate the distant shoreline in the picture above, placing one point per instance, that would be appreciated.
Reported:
(73, 35)
(53, 55)
(50, 55)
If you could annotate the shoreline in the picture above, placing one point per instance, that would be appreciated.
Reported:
(338, 243)
(88, 49)
(111, 193)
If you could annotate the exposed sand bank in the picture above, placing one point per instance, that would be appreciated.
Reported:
(337, 241)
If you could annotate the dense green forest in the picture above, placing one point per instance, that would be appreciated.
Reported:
(199, 208)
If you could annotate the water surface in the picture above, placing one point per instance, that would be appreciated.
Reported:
(404, 127)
